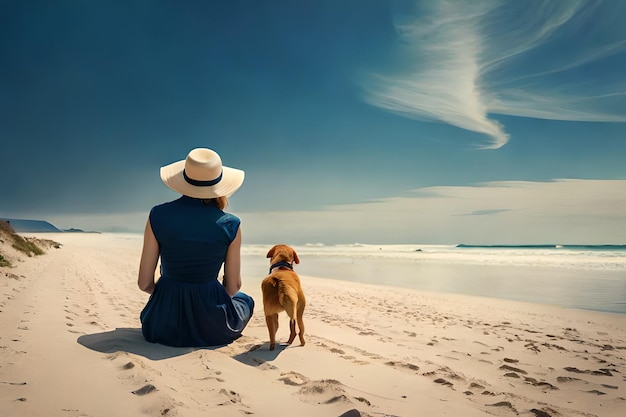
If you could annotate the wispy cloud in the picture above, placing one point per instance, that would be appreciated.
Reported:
(462, 61)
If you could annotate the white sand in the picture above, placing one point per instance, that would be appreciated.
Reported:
(71, 345)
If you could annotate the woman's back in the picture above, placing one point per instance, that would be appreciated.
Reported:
(193, 238)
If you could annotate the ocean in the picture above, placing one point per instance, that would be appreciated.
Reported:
(574, 276)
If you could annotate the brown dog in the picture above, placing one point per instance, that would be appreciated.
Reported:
(282, 292)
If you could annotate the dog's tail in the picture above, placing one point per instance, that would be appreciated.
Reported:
(288, 299)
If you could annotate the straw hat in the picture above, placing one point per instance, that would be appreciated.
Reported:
(202, 175)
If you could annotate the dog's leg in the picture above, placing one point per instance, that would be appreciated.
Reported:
(272, 327)
(290, 309)
(292, 331)
(300, 313)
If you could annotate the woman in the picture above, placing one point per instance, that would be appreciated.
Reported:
(194, 237)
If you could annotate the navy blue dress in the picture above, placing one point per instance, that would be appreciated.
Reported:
(189, 306)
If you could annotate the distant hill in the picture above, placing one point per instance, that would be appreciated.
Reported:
(38, 226)
(31, 226)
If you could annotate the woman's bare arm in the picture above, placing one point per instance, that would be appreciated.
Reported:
(232, 266)
(149, 259)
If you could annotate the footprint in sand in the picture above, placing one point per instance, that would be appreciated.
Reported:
(325, 391)
(503, 404)
(449, 374)
(409, 366)
(513, 369)
(13, 383)
(601, 371)
(570, 379)
(146, 389)
(474, 386)
(443, 382)
(540, 384)
(540, 413)
(554, 346)
(233, 398)
(293, 378)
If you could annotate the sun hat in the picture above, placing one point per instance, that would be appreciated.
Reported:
(202, 175)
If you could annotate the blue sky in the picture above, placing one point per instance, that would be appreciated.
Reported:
(355, 121)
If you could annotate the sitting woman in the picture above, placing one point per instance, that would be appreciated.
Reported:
(194, 237)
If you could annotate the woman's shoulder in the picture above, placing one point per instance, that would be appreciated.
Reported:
(228, 218)
(164, 207)
(230, 223)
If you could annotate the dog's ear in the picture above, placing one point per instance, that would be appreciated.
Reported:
(295, 257)
(271, 252)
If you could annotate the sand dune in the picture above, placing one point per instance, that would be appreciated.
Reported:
(71, 345)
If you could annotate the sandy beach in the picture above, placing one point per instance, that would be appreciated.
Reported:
(71, 345)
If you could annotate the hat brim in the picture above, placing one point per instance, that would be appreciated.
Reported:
(172, 176)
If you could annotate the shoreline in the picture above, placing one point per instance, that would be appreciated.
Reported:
(590, 288)
(568, 287)
(72, 346)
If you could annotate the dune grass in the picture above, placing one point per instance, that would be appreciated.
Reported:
(4, 262)
(23, 245)
(17, 242)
